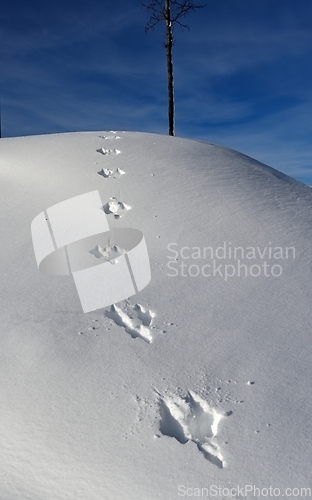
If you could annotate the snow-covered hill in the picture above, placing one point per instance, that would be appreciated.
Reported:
(198, 384)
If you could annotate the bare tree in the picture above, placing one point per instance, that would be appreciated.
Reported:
(170, 11)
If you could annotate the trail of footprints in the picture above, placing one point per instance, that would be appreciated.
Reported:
(185, 419)
(113, 206)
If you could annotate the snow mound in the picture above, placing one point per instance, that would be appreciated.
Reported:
(204, 376)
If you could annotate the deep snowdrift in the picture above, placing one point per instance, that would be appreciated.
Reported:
(202, 379)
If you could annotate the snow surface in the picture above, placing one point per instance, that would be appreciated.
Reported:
(194, 382)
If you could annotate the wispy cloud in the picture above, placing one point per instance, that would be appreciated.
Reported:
(281, 141)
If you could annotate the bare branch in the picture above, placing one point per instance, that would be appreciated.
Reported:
(182, 8)
(156, 6)
(182, 26)
(181, 4)
(152, 22)
(178, 9)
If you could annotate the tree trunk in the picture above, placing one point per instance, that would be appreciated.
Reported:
(169, 67)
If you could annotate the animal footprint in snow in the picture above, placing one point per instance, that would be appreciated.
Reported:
(108, 252)
(106, 172)
(138, 325)
(109, 137)
(192, 419)
(118, 208)
(104, 151)
(144, 315)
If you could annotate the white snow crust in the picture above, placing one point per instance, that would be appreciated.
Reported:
(196, 381)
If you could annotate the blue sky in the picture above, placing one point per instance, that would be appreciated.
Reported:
(243, 74)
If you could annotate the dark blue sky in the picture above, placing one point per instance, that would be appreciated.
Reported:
(243, 74)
